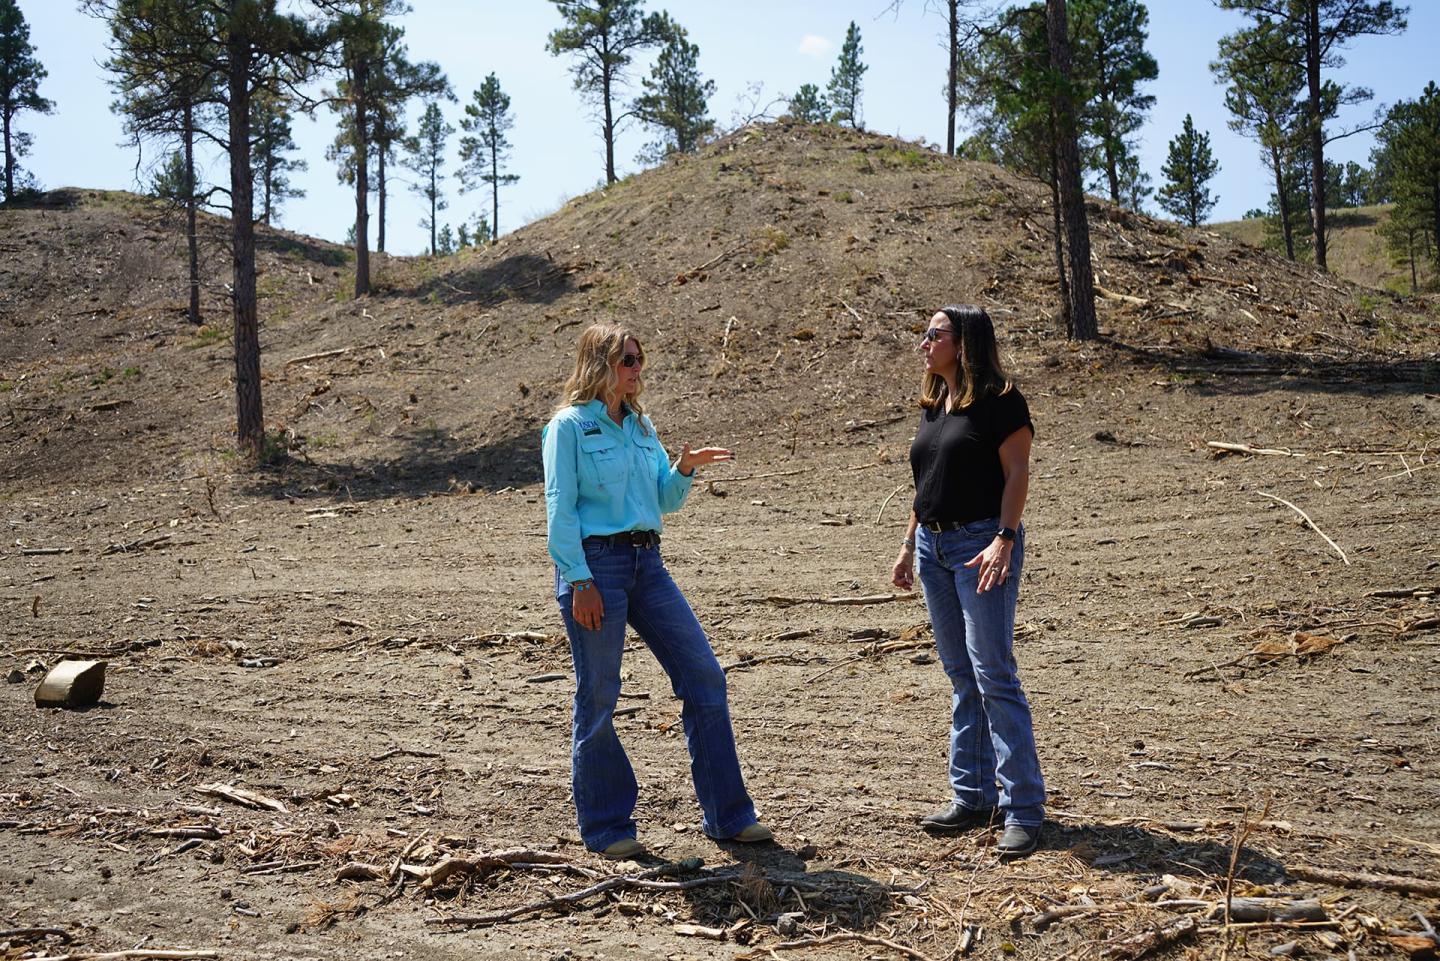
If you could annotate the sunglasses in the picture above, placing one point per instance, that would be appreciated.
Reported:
(933, 334)
(632, 360)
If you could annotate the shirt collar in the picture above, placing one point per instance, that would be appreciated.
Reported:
(596, 409)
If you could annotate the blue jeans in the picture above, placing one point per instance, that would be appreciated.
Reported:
(991, 734)
(637, 589)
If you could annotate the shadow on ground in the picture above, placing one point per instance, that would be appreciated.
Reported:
(1136, 850)
(428, 462)
(527, 278)
(773, 882)
(317, 253)
(1221, 371)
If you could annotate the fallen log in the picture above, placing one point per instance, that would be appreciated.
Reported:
(1272, 909)
(1148, 942)
(834, 601)
(1396, 883)
(1228, 448)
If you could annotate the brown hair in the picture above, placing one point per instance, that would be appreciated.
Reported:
(981, 373)
(600, 348)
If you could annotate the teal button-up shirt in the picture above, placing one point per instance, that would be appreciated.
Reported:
(603, 478)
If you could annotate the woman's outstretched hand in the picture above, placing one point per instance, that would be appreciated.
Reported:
(994, 563)
(691, 459)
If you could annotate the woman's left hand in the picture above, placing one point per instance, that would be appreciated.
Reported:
(691, 459)
(994, 563)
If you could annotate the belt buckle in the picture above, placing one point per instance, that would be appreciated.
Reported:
(934, 527)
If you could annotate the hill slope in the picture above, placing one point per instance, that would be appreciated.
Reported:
(1356, 251)
(778, 274)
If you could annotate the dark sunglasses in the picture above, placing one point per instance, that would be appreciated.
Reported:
(933, 334)
(632, 360)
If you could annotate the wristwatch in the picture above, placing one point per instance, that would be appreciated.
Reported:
(1006, 533)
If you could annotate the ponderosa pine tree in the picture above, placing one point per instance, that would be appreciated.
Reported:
(1068, 175)
(603, 37)
(808, 105)
(1410, 138)
(376, 80)
(272, 143)
(1263, 93)
(1188, 170)
(1322, 28)
(393, 84)
(485, 148)
(846, 80)
(1111, 64)
(20, 76)
(164, 99)
(674, 99)
(236, 47)
(962, 31)
(425, 157)
(1006, 87)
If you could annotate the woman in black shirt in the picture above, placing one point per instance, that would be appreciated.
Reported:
(971, 461)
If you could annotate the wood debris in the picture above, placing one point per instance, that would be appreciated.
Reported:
(241, 796)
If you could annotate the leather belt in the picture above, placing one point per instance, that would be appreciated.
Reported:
(937, 527)
(627, 539)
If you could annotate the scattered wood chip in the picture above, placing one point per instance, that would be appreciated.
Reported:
(241, 797)
(700, 931)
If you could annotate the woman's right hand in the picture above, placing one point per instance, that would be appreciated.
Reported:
(587, 608)
(903, 574)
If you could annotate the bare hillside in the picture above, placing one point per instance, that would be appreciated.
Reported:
(779, 273)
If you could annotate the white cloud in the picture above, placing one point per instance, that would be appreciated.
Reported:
(814, 45)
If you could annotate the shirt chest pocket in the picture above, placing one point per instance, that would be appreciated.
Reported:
(602, 461)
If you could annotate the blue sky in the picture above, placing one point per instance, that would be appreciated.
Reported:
(780, 44)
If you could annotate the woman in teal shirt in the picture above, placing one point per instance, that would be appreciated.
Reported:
(607, 481)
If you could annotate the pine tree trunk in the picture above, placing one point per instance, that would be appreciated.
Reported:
(9, 161)
(609, 126)
(1111, 174)
(362, 180)
(1077, 227)
(249, 411)
(191, 241)
(1058, 228)
(267, 188)
(434, 207)
(952, 77)
(1435, 223)
(1281, 195)
(494, 188)
(380, 191)
(1317, 139)
(1414, 278)
(1107, 132)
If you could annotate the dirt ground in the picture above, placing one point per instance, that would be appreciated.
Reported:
(367, 634)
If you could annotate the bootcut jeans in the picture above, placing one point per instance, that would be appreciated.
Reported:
(991, 734)
(636, 589)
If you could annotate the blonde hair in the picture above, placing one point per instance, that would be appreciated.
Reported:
(981, 374)
(600, 348)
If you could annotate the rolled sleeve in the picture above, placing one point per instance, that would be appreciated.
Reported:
(562, 500)
(672, 487)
